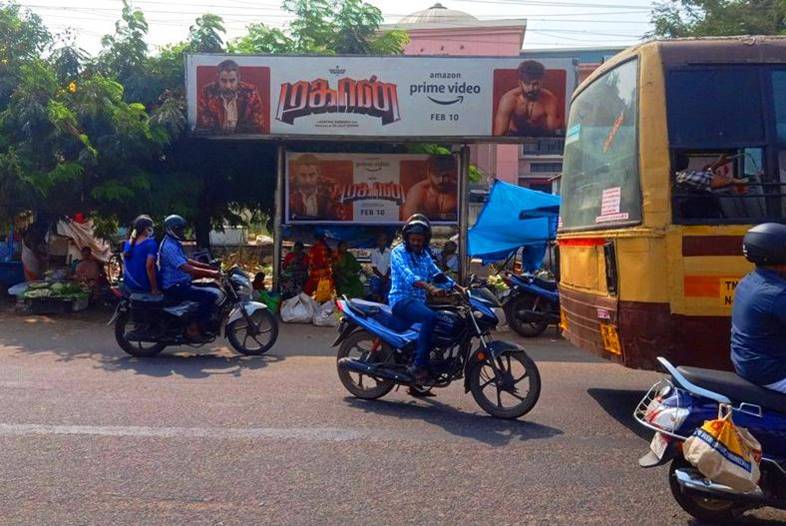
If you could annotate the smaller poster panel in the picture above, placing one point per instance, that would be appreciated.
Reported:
(370, 189)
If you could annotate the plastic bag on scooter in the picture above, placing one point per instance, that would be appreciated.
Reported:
(324, 315)
(298, 309)
(724, 453)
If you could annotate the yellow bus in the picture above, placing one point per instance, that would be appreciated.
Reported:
(649, 263)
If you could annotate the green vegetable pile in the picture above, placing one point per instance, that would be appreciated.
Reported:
(57, 290)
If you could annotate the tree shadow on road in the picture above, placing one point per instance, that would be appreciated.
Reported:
(189, 365)
(485, 429)
(620, 404)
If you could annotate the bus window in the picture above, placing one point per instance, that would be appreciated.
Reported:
(601, 153)
(715, 108)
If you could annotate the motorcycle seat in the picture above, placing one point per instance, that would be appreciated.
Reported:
(142, 297)
(381, 313)
(545, 284)
(736, 388)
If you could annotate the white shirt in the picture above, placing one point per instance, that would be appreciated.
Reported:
(381, 260)
(310, 202)
(230, 109)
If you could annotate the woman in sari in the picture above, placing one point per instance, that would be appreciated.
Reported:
(346, 273)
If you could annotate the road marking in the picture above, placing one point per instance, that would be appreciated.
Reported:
(323, 434)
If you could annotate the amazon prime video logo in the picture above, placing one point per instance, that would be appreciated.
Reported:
(442, 92)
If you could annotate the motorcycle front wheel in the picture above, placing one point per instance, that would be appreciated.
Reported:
(516, 310)
(712, 511)
(363, 346)
(255, 338)
(509, 392)
(123, 326)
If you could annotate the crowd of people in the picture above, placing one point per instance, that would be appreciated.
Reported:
(321, 268)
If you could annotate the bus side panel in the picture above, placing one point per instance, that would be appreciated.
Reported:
(584, 316)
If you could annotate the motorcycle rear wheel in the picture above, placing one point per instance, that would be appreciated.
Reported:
(712, 511)
(527, 329)
(239, 336)
(515, 367)
(137, 349)
(359, 345)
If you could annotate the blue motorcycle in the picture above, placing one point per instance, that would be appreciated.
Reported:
(679, 404)
(375, 349)
(531, 305)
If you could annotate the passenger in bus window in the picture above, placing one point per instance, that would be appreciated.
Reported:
(702, 202)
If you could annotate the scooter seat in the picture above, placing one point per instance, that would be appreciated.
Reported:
(142, 297)
(736, 388)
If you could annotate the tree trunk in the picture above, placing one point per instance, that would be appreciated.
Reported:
(202, 227)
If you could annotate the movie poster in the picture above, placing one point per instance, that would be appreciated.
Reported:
(273, 96)
(370, 189)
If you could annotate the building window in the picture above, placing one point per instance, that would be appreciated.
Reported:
(545, 146)
(540, 168)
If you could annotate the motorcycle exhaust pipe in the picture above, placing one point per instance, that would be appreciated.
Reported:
(356, 366)
(692, 480)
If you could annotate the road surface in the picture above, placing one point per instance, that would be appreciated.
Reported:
(89, 435)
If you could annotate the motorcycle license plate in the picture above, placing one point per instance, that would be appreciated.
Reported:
(659, 445)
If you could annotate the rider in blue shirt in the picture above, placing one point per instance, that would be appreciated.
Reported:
(412, 271)
(758, 320)
(177, 272)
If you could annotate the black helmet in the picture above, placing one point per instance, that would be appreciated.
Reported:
(175, 226)
(416, 225)
(765, 244)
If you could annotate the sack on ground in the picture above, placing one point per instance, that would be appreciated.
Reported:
(725, 454)
(298, 309)
(324, 291)
(325, 315)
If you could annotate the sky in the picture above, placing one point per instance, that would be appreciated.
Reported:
(551, 23)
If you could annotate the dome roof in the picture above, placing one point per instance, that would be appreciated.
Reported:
(438, 14)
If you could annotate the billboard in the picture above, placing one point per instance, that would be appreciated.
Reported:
(487, 99)
(370, 189)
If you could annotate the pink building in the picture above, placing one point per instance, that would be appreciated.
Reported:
(442, 31)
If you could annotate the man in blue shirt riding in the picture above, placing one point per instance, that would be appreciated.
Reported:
(178, 271)
(412, 271)
(758, 319)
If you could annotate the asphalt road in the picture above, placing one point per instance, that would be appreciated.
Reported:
(91, 436)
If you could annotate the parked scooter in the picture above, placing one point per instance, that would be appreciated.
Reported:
(146, 324)
(531, 305)
(376, 348)
(679, 404)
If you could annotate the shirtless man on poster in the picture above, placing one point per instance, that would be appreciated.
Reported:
(436, 196)
(529, 109)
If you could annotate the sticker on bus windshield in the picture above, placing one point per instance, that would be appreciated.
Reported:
(573, 134)
(610, 206)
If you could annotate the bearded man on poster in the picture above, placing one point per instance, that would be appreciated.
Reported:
(230, 105)
(436, 196)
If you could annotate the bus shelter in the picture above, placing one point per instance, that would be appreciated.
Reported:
(318, 109)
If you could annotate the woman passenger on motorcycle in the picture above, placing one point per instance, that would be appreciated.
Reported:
(758, 319)
(411, 271)
(139, 258)
(177, 272)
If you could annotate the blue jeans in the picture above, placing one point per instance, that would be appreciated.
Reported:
(205, 296)
(412, 311)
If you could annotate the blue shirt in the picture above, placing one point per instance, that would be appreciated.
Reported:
(406, 269)
(135, 264)
(758, 327)
(170, 258)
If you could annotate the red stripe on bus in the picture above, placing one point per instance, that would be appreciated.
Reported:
(583, 242)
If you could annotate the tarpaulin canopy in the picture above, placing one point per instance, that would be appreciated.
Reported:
(514, 217)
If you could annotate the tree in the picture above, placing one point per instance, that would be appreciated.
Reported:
(23, 38)
(693, 18)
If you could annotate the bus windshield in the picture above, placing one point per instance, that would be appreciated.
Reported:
(600, 183)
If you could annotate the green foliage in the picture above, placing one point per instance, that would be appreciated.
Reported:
(694, 18)
(206, 36)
